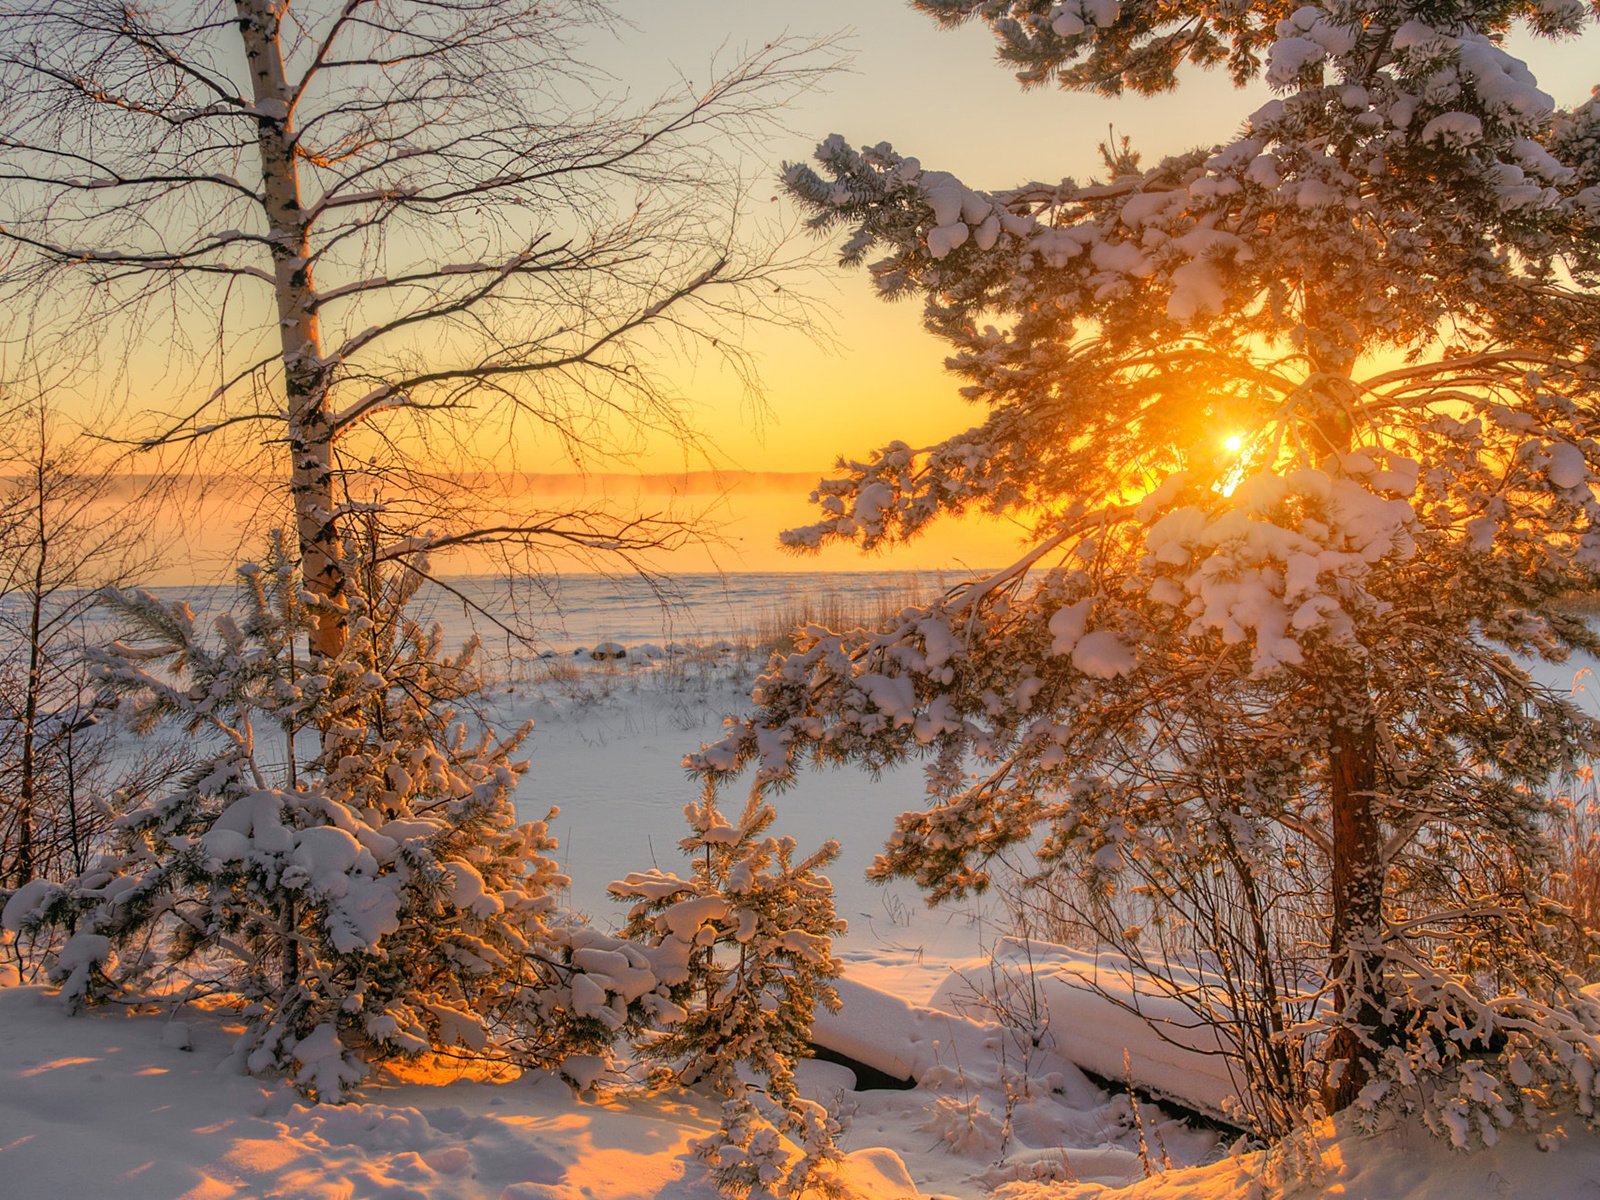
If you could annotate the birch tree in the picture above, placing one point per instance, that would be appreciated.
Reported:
(1304, 423)
(364, 225)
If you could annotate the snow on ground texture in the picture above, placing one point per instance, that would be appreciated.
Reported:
(100, 1106)
(1400, 1163)
(113, 1104)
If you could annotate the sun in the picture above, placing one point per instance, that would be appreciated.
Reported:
(1231, 463)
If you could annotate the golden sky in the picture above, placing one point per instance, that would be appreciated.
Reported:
(872, 374)
(939, 95)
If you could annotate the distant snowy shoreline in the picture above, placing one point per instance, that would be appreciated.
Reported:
(566, 612)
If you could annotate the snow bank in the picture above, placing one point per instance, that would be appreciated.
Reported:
(1098, 1009)
(902, 1039)
(1400, 1163)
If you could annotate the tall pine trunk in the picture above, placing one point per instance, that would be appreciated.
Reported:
(1358, 876)
(306, 378)
(1355, 940)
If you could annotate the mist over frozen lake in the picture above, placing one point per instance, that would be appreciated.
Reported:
(566, 612)
(563, 612)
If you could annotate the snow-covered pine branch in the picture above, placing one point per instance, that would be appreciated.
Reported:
(1275, 582)
(744, 947)
(378, 898)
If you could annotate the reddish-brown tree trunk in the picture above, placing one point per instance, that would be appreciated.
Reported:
(1358, 876)
(1354, 943)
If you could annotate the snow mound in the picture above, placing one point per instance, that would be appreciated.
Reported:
(1097, 1009)
(1403, 1162)
(899, 1038)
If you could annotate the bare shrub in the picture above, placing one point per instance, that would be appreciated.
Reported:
(780, 627)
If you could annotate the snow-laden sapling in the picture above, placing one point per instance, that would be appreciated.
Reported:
(744, 947)
(344, 860)
(1305, 427)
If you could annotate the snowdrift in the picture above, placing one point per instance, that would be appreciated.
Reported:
(1095, 1012)
(1101, 1013)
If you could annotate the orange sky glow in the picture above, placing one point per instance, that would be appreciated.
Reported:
(871, 373)
(878, 375)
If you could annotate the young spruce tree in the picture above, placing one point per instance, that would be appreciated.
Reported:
(743, 950)
(378, 898)
(1302, 648)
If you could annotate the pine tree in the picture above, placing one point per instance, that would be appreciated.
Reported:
(1300, 648)
(377, 899)
(744, 949)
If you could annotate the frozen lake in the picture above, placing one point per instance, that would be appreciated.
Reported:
(567, 612)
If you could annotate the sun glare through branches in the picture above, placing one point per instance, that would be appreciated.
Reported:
(1212, 813)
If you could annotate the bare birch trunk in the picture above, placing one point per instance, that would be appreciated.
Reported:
(310, 424)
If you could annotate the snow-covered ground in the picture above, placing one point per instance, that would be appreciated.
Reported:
(109, 1105)
(130, 1105)
(113, 1104)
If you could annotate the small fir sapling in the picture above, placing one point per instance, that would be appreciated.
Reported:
(344, 860)
(1299, 649)
(744, 945)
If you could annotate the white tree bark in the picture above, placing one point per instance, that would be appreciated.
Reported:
(310, 428)
(494, 236)
(304, 372)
